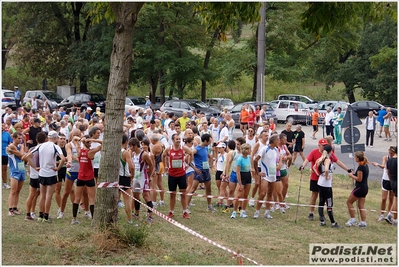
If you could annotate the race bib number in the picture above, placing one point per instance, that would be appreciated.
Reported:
(21, 166)
(272, 172)
(137, 175)
(96, 159)
(205, 165)
(177, 163)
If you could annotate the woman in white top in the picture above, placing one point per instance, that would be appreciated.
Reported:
(325, 166)
(219, 166)
(250, 138)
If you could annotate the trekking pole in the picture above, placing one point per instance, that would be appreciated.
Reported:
(299, 194)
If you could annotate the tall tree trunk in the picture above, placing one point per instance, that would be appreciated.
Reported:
(206, 63)
(255, 68)
(161, 40)
(4, 58)
(153, 89)
(106, 210)
(83, 84)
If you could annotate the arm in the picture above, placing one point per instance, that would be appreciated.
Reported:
(12, 149)
(127, 157)
(253, 152)
(165, 157)
(357, 178)
(147, 159)
(93, 151)
(382, 165)
(342, 165)
(304, 164)
(229, 159)
(326, 168)
(239, 183)
(303, 143)
(280, 163)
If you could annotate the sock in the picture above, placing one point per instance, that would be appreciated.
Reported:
(10, 209)
(137, 205)
(46, 216)
(75, 207)
(149, 204)
(28, 214)
(92, 210)
(14, 208)
(172, 211)
(41, 215)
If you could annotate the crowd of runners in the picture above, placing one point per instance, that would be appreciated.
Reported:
(60, 151)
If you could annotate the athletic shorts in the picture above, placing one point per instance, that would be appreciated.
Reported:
(125, 182)
(298, 148)
(47, 180)
(89, 183)
(360, 192)
(61, 174)
(244, 123)
(386, 185)
(291, 150)
(4, 160)
(180, 181)
(72, 175)
(218, 174)
(246, 178)
(394, 186)
(19, 176)
(96, 172)
(381, 122)
(386, 125)
(203, 177)
(313, 186)
(278, 178)
(315, 128)
(137, 188)
(34, 183)
(283, 173)
(233, 177)
(269, 179)
(189, 173)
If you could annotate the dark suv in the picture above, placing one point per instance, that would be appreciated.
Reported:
(84, 100)
(178, 106)
(53, 99)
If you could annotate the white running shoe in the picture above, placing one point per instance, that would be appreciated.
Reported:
(120, 204)
(267, 215)
(243, 214)
(6, 186)
(33, 215)
(162, 203)
(60, 215)
(252, 202)
(381, 218)
(256, 214)
(88, 214)
(351, 222)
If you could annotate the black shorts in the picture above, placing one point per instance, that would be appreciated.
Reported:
(291, 150)
(89, 183)
(4, 160)
(180, 181)
(34, 183)
(278, 178)
(47, 180)
(218, 174)
(313, 186)
(244, 123)
(246, 178)
(360, 192)
(394, 186)
(95, 172)
(386, 185)
(315, 128)
(298, 148)
(61, 175)
(125, 181)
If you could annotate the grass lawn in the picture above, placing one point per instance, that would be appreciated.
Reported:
(279, 241)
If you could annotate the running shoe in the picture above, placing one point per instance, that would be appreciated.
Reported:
(162, 203)
(243, 214)
(267, 215)
(170, 214)
(39, 219)
(16, 212)
(28, 218)
(362, 224)
(120, 204)
(88, 214)
(150, 220)
(263, 205)
(129, 222)
(388, 219)
(277, 206)
(135, 216)
(6, 186)
(323, 223)
(191, 204)
(395, 223)
(58, 212)
(351, 222)
(335, 225)
(226, 210)
(33, 215)
(219, 204)
(282, 210)
(252, 202)
(233, 215)
(60, 215)
(271, 208)
(11, 213)
(74, 221)
(256, 214)
(381, 218)
(311, 216)
(185, 215)
(46, 221)
(210, 208)
(188, 210)
(239, 210)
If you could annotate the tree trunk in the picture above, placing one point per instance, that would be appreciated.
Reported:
(206, 64)
(83, 84)
(349, 90)
(161, 40)
(4, 59)
(106, 210)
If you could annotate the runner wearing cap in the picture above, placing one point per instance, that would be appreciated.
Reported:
(219, 166)
(312, 157)
(147, 102)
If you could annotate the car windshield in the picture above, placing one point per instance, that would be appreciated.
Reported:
(323, 106)
(8, 94)
(268, 107)
(138, 101)
(97, 97)
(53, 96)
(198, 104)
(274, 104)
(226, 102)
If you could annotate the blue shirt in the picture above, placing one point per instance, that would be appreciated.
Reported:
(148, 103)
(200, 157)
(5, 141)
(244, 163)
(17, 94)
(381, 114)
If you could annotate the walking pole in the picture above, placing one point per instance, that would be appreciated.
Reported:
(299, 193)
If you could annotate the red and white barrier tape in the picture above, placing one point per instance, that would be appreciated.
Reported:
(115, 184)
(321, 115)
(185, 228)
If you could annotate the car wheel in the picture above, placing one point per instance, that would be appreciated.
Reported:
(290, 119)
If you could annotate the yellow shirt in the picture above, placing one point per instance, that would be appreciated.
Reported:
(183, 122)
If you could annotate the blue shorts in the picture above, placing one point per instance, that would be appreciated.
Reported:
(72, 175)
(203, 177)
(189, 173)
(233, 177)
(19, 176)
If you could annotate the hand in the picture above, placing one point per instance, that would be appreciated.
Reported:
(349, 170)
(262, 174)
(300, 168)
(240, 187)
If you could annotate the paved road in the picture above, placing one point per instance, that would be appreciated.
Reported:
(373, 154)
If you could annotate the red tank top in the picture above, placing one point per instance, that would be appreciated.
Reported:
(24, 126)
(176, 163)
(86, 172)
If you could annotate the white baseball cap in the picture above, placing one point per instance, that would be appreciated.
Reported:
(223, 145)
(53, 134)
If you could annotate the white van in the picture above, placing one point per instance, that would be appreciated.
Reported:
(302, 98)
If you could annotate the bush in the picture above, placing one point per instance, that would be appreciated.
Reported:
(133, 235)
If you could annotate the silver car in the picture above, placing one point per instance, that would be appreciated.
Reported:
(7, 99)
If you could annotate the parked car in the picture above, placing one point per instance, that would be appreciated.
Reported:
(84, 100)
(362, 108)
(129, 104)
(7, 99)
(292, 111)
(52, 98)
(307, 100)
(334, 105)
(138, 101)
(235, 111)
(178, 106)
(157, 104)
(220, 103)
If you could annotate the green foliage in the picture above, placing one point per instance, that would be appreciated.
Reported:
(14, 76)
(134, 235)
